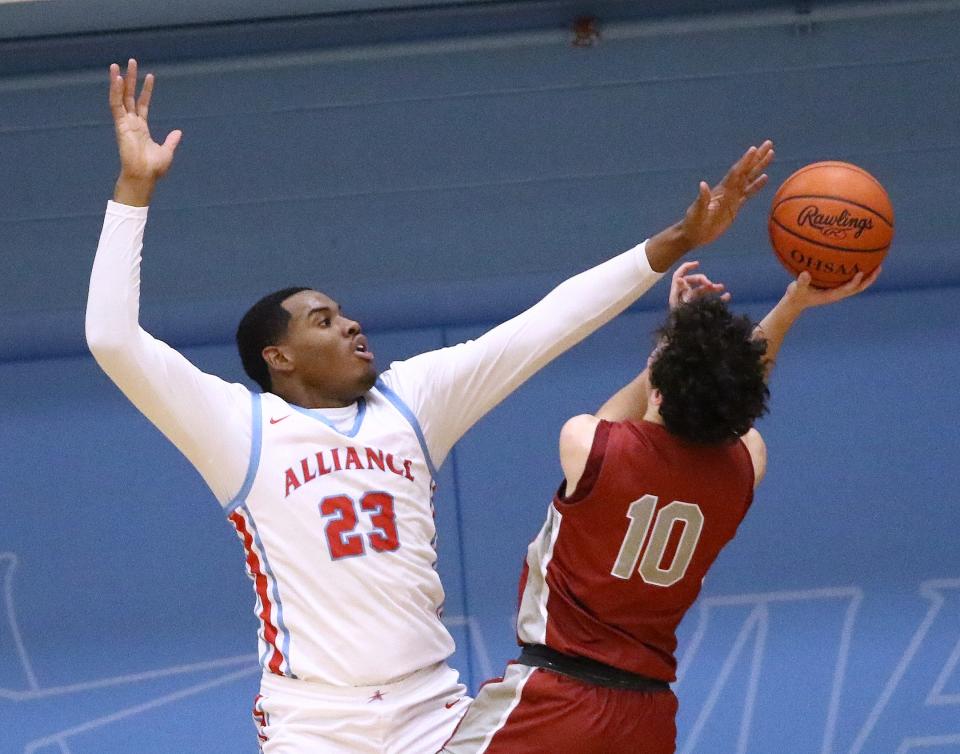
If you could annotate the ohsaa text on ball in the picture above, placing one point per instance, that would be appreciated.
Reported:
(820, 265)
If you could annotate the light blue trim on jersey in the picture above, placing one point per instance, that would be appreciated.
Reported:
(361, 410)
(256, 441)
(262, 552)
(404, 409)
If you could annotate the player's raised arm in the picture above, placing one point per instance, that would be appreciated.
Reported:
(467, 380)
(206, 418)
(800, 296)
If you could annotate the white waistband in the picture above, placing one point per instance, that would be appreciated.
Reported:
(271, 683)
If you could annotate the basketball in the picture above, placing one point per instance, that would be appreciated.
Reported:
(832, 219)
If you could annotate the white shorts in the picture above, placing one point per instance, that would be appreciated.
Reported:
(415, 715)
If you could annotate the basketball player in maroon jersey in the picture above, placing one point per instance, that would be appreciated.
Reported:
(656, 484)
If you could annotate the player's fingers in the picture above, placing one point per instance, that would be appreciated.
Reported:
(700, 292)
(130, 87)
(754, 186)
(870, 279)
(725, 297)
(116, 93)
(746, 162)
(698, 209)
(761, 164)
(849, 288)
(685, 268)
(703, 200)
(752, 172)
(702, 281)
(677, 289)
(172, 140)
(803, 279)
(143, 103)
(765, 153)
(741, 167)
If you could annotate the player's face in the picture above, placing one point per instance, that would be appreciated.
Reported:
(328, 351)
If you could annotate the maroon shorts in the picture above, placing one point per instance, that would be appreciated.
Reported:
(534, 711)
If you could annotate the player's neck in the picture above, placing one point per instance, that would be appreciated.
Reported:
(653, 415)
(309, 397)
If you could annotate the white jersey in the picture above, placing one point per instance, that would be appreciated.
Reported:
(337, 524)
(346, 593)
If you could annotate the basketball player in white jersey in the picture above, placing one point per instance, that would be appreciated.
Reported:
(327, 475)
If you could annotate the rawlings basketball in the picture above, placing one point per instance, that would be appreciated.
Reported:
(832, 219)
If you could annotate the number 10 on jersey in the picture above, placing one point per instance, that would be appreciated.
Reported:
(652, 570)
(344, 542)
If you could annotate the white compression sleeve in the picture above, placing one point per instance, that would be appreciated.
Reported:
(206, 418)
(450, 389)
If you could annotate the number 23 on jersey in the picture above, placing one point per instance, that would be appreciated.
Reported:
(344, 514)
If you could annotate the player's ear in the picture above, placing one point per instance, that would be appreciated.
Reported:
(656, 397)
(277, 359)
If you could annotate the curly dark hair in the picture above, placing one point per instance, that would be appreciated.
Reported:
(264, 324)
(710, 372)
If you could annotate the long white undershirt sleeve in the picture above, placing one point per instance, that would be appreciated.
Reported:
(449, 390)
(452, 388)
(206, 418)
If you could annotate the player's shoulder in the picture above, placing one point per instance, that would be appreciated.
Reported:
(240, 396)
(757, 448)
(399, 382)
(578, 431)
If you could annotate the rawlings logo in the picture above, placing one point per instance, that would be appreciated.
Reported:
(834, 226)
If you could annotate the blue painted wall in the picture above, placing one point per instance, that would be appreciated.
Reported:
(830, 624)
(439, 183)
(475, 168)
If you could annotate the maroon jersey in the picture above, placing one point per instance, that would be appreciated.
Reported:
(619, 561)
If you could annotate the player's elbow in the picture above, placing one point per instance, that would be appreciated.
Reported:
(106, 343)
(99, 338)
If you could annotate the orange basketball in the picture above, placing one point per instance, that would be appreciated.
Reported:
(832, 219)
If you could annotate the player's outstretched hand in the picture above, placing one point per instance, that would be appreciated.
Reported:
(716, 208)
(803, 295)
(142, 160)
(687, 286)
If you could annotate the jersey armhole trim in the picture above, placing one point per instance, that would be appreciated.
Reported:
(404, 409)
(591, 470)
(256, 441)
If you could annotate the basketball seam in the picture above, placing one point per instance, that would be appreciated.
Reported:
(871, 210)
(826, 245)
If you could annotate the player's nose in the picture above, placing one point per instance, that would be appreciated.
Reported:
(349, 326)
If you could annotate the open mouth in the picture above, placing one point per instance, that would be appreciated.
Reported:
(361, 349)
